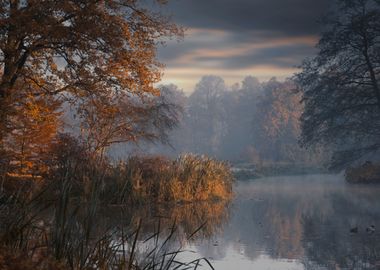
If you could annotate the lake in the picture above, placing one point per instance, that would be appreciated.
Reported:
(294, 222)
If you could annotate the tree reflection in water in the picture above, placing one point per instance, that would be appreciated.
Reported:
(198, 220)
(300, 222)
(328, 242)
(304, 221)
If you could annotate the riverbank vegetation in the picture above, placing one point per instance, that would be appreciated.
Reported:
(58, 220)
(138, 179)
(75, 233)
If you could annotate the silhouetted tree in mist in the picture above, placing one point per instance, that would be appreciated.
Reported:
(206, 114)
(340, 86)
(248, 122)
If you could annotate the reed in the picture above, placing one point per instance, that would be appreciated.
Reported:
(55, 224)
(186, 179)
(67, 234)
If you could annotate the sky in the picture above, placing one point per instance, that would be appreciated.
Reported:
(237, 38)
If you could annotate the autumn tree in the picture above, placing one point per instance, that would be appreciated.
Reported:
(340, 86)
(276, 126)
(91, 54)
(35, 126)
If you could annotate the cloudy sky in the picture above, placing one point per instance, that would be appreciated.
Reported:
(235, 38)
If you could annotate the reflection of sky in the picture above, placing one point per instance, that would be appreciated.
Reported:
(235, 260)
(290, 222)
(237, 38)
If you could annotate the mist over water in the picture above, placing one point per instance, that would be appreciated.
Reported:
(298, 222)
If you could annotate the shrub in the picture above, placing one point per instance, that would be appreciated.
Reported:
(365, 173)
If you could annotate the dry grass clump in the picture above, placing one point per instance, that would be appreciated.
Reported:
(138, 180)
(188, 178)
(202, 178)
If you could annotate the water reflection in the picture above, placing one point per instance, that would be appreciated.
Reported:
(298, 223)
(157, 232)
(301, 222)
(187, 218)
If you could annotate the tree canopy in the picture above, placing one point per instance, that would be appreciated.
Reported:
(340, 86)
(99, 57)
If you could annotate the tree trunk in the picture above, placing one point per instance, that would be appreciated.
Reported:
(14, 60)
(375, 85)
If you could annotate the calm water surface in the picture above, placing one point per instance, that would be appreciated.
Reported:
(296, 222)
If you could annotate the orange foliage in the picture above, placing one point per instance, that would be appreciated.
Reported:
(188, 178)
(89, 54)
(34, 126)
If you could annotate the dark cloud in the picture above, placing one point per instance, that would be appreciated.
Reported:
(281, 56)
(289, 17)
(219, 54)
(231, 35)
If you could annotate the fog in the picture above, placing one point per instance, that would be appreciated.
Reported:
(248, 122)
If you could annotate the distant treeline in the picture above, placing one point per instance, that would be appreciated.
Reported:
(255, 122)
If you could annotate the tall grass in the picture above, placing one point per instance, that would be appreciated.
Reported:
(56, 223)
(68, 234)
(186, 179)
